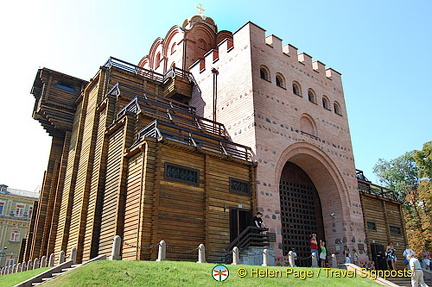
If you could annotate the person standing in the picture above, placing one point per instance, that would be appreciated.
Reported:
(323, 253)
(347, 255)
(426, 259)
(407, 251)
(417, 272)
(355, 256)
(314, 246)
(391, 255)
(258, 220)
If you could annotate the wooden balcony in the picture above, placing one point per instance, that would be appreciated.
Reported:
(178, 85)
(55, 95)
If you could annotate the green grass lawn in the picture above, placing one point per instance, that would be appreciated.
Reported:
(15, 278)
(175, 273)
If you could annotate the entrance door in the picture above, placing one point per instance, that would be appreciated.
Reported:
(239, 220)
(300, 211)
(378, 256)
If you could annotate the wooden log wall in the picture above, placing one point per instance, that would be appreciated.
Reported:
(384, 213)
(145, 234)
(53, 223)
(80, 217)
(81, 193)
(96, 188)
(91, 237)
(180, 207)
(183, 214)
(47, 198)
(110, 201)
(134, 202)
(29, 242)
(70, 181)
(221, 199)
(117, 75)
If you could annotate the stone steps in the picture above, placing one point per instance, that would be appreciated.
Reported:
(406, 282)
(55, 272)
(254, 256)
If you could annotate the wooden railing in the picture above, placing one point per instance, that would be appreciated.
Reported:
(177, 72)
(171, 73)
(134, 69)
(132, 107)
(365, 186)
(121, 89)
(191, 137)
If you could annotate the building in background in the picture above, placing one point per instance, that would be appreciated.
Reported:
(16, 209)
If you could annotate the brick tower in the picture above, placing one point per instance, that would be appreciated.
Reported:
(291, 111)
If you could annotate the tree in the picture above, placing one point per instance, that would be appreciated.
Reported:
(410, 177)
(399, 174)
(423, 160)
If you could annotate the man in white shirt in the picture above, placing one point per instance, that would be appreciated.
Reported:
(407, 251)
(417, 272)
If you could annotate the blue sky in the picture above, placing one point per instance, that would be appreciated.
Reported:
(382, 48)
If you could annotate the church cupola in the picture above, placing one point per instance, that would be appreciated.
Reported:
(188, 24)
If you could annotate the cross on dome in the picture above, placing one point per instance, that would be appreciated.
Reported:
(200, 9)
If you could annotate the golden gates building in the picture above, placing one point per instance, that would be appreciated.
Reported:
(210, 127)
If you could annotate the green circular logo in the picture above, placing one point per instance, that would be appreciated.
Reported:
(220, 273)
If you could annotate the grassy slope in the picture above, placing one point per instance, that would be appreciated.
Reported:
(15, 278)
(174, 273)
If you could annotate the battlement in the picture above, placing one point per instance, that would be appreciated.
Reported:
(256, 35)
(291, 51)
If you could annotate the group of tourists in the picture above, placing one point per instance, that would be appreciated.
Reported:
(412, 263)
(410, 260)
(320, 250)
(424, 259)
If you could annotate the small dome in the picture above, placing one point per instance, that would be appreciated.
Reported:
(199, 18)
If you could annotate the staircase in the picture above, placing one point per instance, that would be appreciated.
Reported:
(253, 255)
(55, 275)
(251, 242)
(55, 272)
(406, 282)
(392, 281)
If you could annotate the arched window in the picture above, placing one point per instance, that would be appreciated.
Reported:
(173, 48)
(264, 73)
(311, 96)
(296, 89)
(280, 81)
(157, 60)
(337, 108)
(326, 103)
(308, 125)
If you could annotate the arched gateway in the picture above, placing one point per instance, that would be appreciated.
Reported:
(311, 196)
(301, 212)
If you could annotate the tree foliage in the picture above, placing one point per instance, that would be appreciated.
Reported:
(410, 176)
(399, 174)
(423, 159)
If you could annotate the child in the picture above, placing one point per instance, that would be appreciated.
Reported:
(323, 253)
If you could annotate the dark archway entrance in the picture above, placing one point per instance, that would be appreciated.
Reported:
(240, 219)
(301, 212)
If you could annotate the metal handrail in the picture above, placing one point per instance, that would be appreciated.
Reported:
(244, 240)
